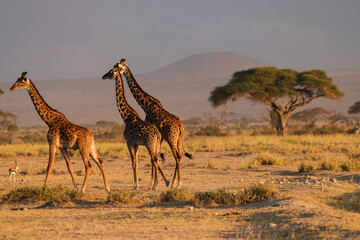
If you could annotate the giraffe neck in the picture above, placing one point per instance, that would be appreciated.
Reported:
(147, 102)
(47, 114)
(126, 111)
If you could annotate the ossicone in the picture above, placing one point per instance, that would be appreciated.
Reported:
(24, 74)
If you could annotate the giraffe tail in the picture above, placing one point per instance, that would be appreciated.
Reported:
(180, 143)
(163, 160)
(188, 155)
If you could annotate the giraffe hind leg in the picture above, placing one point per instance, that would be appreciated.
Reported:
(85, 157)
(100, 164)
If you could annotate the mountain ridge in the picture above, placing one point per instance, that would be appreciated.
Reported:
(183, 88)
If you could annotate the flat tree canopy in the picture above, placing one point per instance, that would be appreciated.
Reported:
(284, 90)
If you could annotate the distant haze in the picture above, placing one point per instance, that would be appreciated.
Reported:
(183, 87)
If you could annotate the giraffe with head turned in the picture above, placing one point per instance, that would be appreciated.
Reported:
(170, 126)
(63, 134)
(137, 132)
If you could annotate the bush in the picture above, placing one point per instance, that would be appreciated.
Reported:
(119, 196)
(176, 195)
(326, 165)
(254, 193)
(266, 159)
(305, 167)
(210, 131)
(33, 137)
(57, 194)
(327, 130)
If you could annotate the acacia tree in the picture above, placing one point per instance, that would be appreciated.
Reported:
(283, 90)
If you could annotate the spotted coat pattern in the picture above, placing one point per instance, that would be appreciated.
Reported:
(170, 126)
(137, 132)
(63, 134)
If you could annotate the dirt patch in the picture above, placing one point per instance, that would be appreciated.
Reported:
(301, 209)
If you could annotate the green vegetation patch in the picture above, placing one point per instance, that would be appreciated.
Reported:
(124, 197)
(253, 193)
(57, 194)
(177, 195)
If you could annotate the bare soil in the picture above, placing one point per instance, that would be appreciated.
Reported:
(301, 209)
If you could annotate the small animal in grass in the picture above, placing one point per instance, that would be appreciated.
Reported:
(13, 171)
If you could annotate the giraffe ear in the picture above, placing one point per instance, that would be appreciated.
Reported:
(122, 61)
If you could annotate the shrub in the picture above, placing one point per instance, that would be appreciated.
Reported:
(326, 130)
(210, 131)
(305, 167)
(33, 137)
(253, 193)
(326, 165)
(57, 194)
(176, 195)
(119, 196)
(266, 159)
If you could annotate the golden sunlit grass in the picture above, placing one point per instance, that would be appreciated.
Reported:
(331, 152)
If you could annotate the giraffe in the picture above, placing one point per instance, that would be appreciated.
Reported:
(170, 126)
(63, 134)
(137, 132)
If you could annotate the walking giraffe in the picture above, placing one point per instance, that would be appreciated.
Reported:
(170, 126)
(137, 132)
(63, 134)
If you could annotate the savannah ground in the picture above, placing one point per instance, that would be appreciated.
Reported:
(320, 203)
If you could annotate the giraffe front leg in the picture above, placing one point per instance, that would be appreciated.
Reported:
(69, 166)
(52, 151)
(133, 154)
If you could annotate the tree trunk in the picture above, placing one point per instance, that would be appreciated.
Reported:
(281, 124)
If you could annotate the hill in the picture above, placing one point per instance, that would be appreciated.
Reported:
(183, 88)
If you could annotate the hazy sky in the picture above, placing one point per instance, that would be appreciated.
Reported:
(84, 38)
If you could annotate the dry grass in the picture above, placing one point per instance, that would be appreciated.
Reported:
(304, 207)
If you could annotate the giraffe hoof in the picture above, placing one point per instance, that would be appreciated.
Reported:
(167, 183)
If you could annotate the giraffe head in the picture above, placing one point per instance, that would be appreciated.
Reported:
(21, 82)
(122, 65)
(117, 70)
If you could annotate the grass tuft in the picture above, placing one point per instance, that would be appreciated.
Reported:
(57, 194)
(209, 165)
